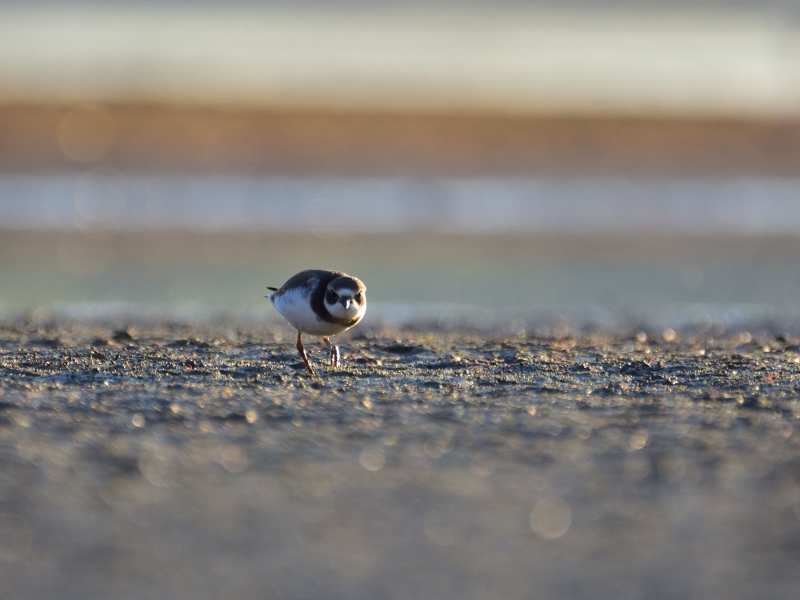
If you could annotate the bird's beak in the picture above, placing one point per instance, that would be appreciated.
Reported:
(346, 303)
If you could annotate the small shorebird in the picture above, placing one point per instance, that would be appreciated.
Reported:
(321, 303)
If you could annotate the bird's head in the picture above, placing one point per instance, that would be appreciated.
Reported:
(346, 298)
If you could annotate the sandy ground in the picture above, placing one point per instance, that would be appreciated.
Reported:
(198, 461)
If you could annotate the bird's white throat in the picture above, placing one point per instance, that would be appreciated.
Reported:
(346, 311)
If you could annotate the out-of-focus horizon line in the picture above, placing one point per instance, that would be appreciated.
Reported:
(635, 62)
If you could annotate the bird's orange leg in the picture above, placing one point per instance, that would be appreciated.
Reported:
(302, 352)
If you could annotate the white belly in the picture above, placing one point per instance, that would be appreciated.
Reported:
(294, 306)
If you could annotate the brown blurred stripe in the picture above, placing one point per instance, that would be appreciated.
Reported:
(183, 139)
(393, 252)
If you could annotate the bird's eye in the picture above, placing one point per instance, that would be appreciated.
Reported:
(331, 297)
(358, 298)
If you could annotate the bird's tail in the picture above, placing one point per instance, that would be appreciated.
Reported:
(270, 295)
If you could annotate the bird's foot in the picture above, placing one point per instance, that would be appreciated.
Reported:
(336, 357)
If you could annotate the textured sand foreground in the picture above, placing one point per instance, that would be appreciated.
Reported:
(198, 461)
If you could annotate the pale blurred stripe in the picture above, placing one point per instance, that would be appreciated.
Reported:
(722, 63)
(104, 200)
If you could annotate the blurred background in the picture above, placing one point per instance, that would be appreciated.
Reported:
(466, 160)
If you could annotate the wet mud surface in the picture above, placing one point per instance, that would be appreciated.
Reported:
(173, 461)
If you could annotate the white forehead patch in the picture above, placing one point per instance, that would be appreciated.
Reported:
(343, 290)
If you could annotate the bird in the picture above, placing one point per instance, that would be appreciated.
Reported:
(320, 303)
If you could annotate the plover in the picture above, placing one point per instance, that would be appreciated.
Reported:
(321, 303)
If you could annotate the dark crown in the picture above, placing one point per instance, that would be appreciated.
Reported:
(341, 284)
